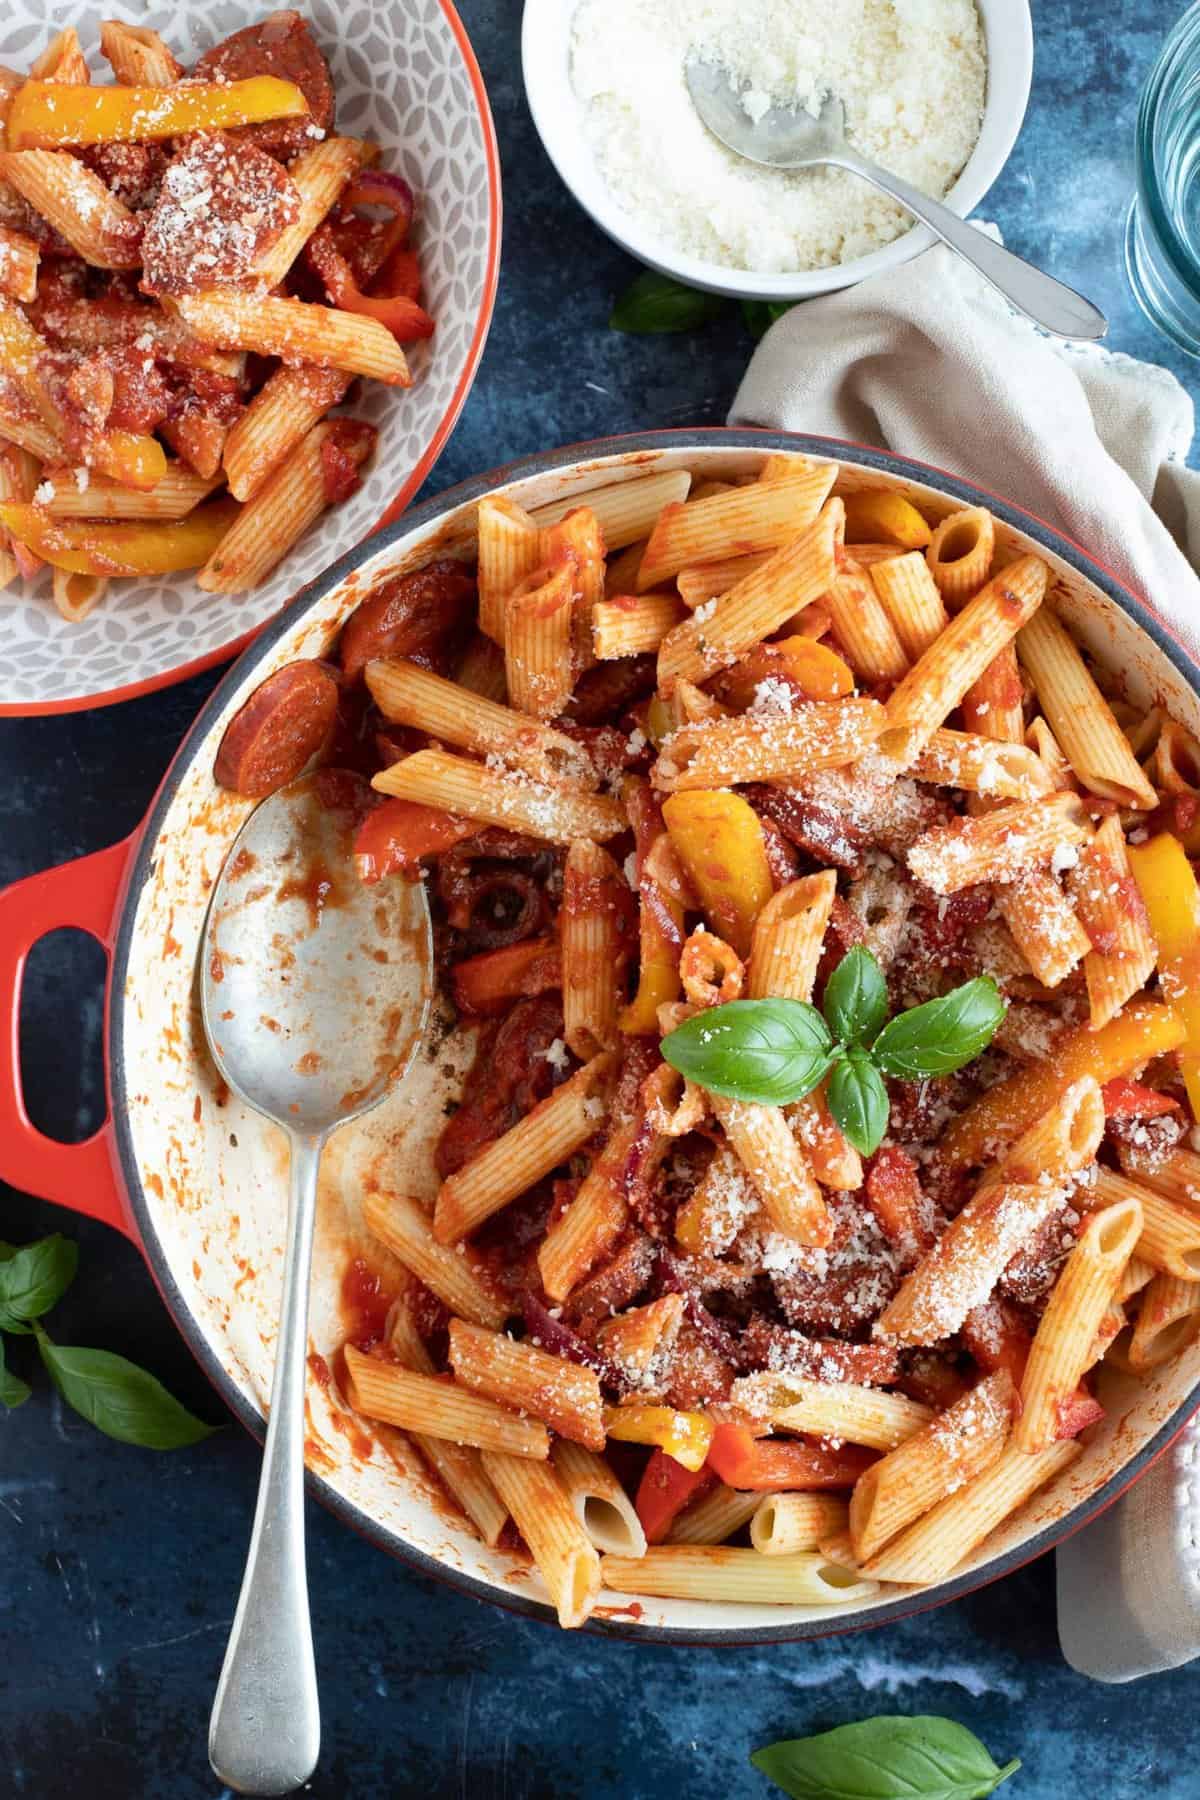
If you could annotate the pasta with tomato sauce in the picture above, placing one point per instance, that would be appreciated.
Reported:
(734, 1292)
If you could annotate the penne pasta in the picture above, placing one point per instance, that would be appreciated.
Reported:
(318, 174)
(777, 1167)
(762, 516)
(1062, 1345)
(626, 510)
(1123, 952)
(593, 1221)
(1170, 1239)
(1167, 1322)
(591, 947)
(539, 667)
(277, 420)
(862, 628)
(717, 1515)
(437, 1408)
(177, 492)
(296, 330)
(138, 56)
(546, 1519)
(19, 258)
(1044, 925)
(961, 1269)
(565, 1395)
(980, 764)
(410, 695)
(721, 630)
(1079, 716)
(941, 1458)
(993, 706)
(98, 226)
(406, 1230)
(786, 1523)
(282, 509)
(458, 1466)
(721, 752)
(702, 1572)
(910, 598)
(938, 680)
(600, 1504)
(632, 624)
(500, 797)
(936, 1544)
(839, 1409)
(538, 1143)
(789, 934)
(1001, 845)
(960, 552)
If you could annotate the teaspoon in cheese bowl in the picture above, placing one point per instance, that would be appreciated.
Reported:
(314, 991)
(786, 137)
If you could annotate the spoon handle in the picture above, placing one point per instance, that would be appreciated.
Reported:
(1049, 303)
(265, 1732)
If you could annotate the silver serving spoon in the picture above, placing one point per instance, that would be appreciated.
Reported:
(791, 138)
(314, 991)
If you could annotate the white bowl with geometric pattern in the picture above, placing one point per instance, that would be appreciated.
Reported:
(405, 76)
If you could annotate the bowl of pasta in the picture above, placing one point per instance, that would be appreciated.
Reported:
(248, 260)
(790, 1220)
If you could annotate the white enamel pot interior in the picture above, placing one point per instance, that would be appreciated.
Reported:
(205, 1178)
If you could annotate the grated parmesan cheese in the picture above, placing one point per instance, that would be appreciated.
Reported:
(911, 74)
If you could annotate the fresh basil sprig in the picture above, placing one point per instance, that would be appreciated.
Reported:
(113, 1394)
(655, 303)
(775, 1051)
(888, 1758)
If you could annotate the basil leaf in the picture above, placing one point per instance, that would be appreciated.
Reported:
(758, 316)
(35, 1279)
(654, 302)
(120, 1399)
(769, 1051)
(13, 1391)
(858, 1100)
(942, 1035)
(887, 1758)
(7, 1252)
(856, 997)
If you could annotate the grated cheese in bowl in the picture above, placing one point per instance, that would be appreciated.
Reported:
(911, 73)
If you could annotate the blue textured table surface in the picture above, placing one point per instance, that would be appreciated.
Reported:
(119, 1568)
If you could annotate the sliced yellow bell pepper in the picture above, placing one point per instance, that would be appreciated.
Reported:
(684, 1435)
(720, 843)
(879, 516)
(1168, 886)
(45, 115)
(819, 672)
(1141, 1030)
(96, 547)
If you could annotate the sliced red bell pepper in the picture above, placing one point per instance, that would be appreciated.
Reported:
(393, 839)
(1076, 1413)
(773, 1465)
(487, 983)
(665, 1489)
(1125, 1098)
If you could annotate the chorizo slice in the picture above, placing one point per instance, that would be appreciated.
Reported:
(282, 725)
(419, 615)
(280, 45)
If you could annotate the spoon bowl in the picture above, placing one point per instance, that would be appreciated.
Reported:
(793, 137)
(314, 991)
(314, 988)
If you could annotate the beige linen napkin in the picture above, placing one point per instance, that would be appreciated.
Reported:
(931, 363)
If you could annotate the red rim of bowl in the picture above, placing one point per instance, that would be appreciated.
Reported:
(183, 671)
(618, 1622)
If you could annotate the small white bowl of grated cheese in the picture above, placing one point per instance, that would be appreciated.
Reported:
(934, 90)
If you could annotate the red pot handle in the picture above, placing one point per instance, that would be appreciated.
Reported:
(81, 1176)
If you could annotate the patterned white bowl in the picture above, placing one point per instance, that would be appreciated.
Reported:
(405, 76)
